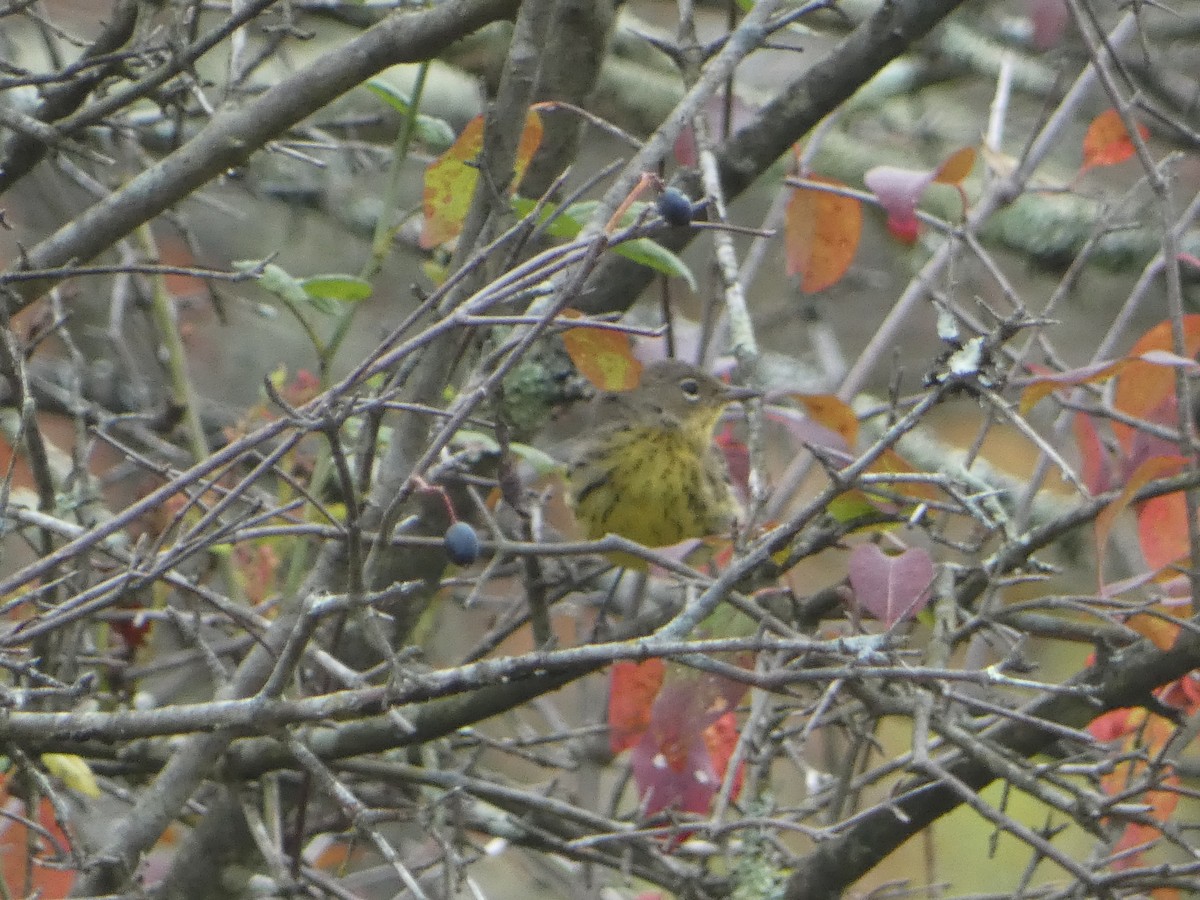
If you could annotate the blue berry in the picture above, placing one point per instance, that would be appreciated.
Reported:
(674, 206)
(462, 544)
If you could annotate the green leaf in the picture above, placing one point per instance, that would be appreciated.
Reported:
(346, 288)
(648, 253)
(278, 282)
(656, 257)
(320, 292)
(850, 506)
(390, 94)
(436, 133)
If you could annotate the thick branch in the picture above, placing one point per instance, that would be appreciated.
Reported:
(797, 108)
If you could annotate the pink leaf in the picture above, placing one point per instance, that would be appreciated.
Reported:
(1167, 358)
(891, 588)
(899, 191)
(672, 767)
(1049, 19)
(680, 761)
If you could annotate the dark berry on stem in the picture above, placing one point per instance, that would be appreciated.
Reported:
(674, 207)
(462, 544)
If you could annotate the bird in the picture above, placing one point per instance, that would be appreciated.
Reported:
(647, 468)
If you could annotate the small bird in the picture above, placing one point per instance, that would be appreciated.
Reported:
(648, 469)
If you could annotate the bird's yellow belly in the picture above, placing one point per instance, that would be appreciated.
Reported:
(653, 487)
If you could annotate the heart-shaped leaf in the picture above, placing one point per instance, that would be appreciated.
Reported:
(891, 588)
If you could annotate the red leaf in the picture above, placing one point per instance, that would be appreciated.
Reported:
(1096, 474)
(672, 765)
(632, 689)
(891, 588)
(44, 871)
(1111, 725)
(1143, 389)
(821, 235)
(1156, 467)
(1162, 530)
(1107, 141)
(721, 738)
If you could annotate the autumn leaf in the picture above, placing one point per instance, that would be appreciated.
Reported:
(956, 167)
(677, 764)
(1162, 530)
(1095, 470)
(891, 588)
(821, 235)
(35, 856)
(72, 771)
(632, 689)
(1044, 384)
(1155, 467)
(1107, 141)
(450, 179)
(832, 412)
(604, 356)
(1143, 388)
(680, 724)
(898, 191)
(856, 503)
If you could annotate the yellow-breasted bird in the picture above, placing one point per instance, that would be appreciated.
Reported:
(648, 469)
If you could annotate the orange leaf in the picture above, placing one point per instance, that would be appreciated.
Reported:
(1094, 469)
(721, 738)
(1162, 530)
(1155, 467)
(821, 235)
(1042, 385)
(958, 165)
(531, 139)
(21, 872)
(833, 413)
(1107, 141)
(1159, 631)
(632, 689)
(892, 463)
(1144, 387)
(450, 179)
(603, 355)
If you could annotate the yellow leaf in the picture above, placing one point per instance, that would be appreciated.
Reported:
(450, 179)
(72, 771)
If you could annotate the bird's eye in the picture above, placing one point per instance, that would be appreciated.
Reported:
(690, 388)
